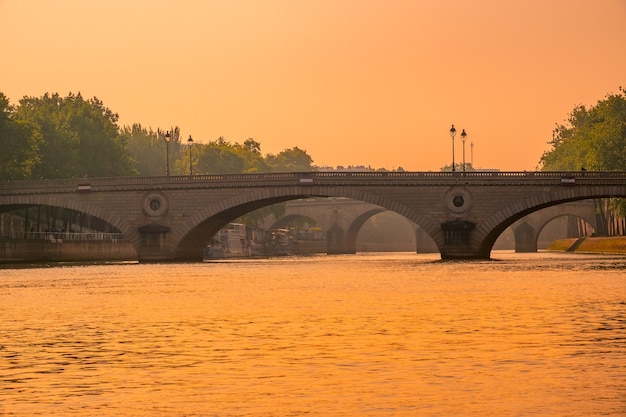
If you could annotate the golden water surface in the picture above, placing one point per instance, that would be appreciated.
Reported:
(359, 335)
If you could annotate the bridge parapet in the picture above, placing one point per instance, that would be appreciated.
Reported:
(531, 178)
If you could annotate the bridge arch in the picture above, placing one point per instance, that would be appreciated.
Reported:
(489, 230)
(343, 220)
(590, 221)
(527, 231)
(189, 239)
(36, 200)
(340, 218)
(353, 231)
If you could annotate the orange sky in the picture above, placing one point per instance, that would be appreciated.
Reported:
(353, 82)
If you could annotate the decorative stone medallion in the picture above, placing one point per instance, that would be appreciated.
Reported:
(155, 204)
(458, 200)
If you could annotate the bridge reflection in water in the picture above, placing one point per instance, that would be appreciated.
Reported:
(173, 217)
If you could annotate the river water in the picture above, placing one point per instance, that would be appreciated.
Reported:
(358, 335)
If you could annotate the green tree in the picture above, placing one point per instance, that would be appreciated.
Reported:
(172, 149)
(148, 149)
(250, 151)
(145, 149)
(58, 150)
(290, 160)
(19, 144)
(220, 157)
(80, 137)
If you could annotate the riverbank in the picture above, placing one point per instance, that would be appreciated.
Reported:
(590, 244)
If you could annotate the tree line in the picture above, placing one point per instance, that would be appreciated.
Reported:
(68, 137)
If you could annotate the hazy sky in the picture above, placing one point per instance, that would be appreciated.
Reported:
(352, 82)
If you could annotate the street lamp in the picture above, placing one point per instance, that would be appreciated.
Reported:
(463, 138)
(452, 135)
(167, 152)
(190, 144)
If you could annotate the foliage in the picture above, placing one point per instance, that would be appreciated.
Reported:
(220, 157)
(594, 138)
(147, 149)
(250, 152)
(619, 206)
(79, 137)
(19, 141)
(290, 160)
(172, 149)
(223, 157)
(458, 167)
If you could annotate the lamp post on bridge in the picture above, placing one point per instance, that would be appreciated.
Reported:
(452, 135)
(167, 152)
(190, 144)
(463, 139)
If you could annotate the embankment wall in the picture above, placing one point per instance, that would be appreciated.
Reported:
(591, 244)
(12, 251)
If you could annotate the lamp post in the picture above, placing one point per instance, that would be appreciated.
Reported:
(167, 152)
(463, 138)
(190, 144)
(452, 135)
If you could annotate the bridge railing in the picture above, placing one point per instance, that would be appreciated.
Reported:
(56, 236)
(277, 178)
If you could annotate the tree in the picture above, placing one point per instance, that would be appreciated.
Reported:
(219, 157)
(290, 160)
(458, 167)
(79, 137)
(58, 150)
(172, 149)
(19, 142)
(145, 148)
(148, 149)
(250, 151)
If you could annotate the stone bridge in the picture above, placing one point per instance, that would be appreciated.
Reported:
(173, 217)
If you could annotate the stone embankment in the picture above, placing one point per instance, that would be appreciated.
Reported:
(590, 244)
(57, 250)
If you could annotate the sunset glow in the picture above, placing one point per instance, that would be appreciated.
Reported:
(352, 82)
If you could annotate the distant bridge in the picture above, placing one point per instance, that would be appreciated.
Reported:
(173, 217)
(341, 220)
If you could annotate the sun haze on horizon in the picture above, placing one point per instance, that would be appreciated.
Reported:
(353, 82)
